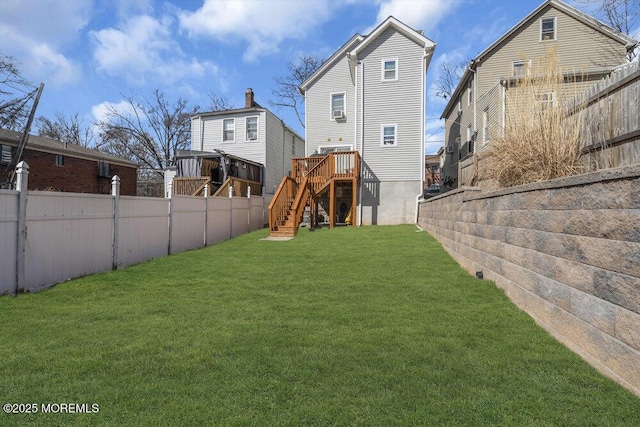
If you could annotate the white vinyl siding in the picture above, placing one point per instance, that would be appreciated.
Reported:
(390, 70)
(228, 130)
(548, 30)
(392, 104)
(320, 131)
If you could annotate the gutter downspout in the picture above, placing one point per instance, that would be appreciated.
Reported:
(422, 129)
(475, 103)
(361, 151)
(503, 83)
(201, 134)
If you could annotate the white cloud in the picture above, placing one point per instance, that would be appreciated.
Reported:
(419, 15)
(101, 111)
(263, 25)
(145, 48)
(36, 33)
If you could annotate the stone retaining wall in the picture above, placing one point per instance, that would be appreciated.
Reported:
(566, 251)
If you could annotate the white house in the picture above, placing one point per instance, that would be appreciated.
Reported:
(252, 133)
(369, 97)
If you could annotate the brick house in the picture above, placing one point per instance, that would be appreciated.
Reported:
(56, 166)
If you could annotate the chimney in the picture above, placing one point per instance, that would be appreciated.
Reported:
(248, 98)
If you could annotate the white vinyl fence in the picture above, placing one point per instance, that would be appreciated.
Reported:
(48, 237)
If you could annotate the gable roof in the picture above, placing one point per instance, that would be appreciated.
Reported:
(40, 143)
(629, 42)
(339, 54)
(357, 43)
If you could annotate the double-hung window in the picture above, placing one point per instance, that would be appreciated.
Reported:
(389, 135)
(547, 29)
(59, 160)
(470, 93)
(252, 128)
(228, 130)
(337, 105)
(389, 70)
(544, 101)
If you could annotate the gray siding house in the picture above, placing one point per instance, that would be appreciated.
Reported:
(369, 97)
(586, 50)
(253, 133)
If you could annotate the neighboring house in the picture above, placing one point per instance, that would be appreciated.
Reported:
(586, 50)
(369, 98)
(252, 133)
(431, 170)
(58, 166)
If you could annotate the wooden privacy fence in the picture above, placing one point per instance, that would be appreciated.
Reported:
(610, 117)
(49, 237)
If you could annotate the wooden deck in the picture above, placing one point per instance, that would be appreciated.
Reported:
(311, 177)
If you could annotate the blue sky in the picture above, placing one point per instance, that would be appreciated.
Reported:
(91, 53)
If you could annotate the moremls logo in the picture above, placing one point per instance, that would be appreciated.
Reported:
(69, 408)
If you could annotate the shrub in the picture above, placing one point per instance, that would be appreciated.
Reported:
(540, 142)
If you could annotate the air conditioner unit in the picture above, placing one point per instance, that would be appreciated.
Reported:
(338, 114)
(252, 135)
(103, 170)
(450, 149)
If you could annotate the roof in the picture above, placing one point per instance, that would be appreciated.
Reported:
(357, 43)
(185, 154)
(629, 42)
(41, 143)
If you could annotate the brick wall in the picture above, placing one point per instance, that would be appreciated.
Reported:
(76, 175)
(566, 251)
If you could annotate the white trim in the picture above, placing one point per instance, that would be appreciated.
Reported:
(229, 141)
(485, 125)
(555, 29)
(382, 69)
(344, 105)
(321, 147)
(527, 67)
(246, 128)
(395, 134)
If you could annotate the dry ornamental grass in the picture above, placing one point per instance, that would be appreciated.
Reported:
(540, 142)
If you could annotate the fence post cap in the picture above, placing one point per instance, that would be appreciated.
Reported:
(22, 166)
(115, 179)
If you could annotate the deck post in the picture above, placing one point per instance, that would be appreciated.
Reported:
(332, 204)
(354, 195)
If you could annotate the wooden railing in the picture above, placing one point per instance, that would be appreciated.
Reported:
(338, 164)
(240, 187)
(281, 202)
(190, 186)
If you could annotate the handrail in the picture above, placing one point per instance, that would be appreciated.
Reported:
(287, 188)
(240, 187)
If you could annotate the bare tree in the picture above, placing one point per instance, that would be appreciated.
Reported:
(149, 131)
(70, 129)
(623, 15)
(450, 75)
(218, 102)
(16, 95)
(286, 92)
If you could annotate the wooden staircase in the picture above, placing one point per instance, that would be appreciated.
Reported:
(312, 176)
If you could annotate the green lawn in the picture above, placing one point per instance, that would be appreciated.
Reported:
(369, 326)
